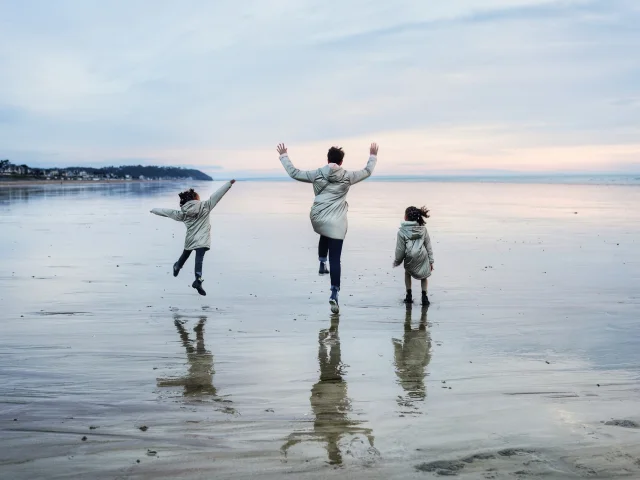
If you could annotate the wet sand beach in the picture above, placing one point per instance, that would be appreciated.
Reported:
(524, 366)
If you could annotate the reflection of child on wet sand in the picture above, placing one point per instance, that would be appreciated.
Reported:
(414, 248)
(195, 215)
(411, 357)
(199, 380)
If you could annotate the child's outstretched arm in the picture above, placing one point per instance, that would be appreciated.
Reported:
(427, 244)
(306, 176)
(217, 195)
(400, 251)
(360, 175)
(176, 215)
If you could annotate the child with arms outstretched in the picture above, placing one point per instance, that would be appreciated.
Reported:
(195, 215)
(414, 248)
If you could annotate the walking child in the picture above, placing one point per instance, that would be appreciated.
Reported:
(195, 215)
(414, 248)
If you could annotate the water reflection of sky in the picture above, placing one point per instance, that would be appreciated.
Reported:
(520, 280)
(572, 273)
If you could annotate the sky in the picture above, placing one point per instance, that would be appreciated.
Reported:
(444, 86)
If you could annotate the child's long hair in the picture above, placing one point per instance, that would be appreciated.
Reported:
(415, 214)
(187, 196)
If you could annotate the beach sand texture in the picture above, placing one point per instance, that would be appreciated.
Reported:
(525, 365)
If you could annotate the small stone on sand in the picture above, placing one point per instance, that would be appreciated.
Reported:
(622, 423)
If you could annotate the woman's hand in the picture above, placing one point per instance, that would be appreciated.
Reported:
(232, 182)
(431, 265)
(282, 149)
(373, 149)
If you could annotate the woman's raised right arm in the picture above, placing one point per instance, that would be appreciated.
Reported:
(306, 176)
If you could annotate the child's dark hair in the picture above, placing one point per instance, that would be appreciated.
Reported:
(187, 196)
(415, 214)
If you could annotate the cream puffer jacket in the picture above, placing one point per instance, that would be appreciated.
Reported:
(331, 184)
(413, 246)
(195, 215)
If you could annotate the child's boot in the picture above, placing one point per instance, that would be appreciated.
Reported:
(197, 284)
(408, 299)
(333, 300)
(425, 299)
(176, 269)
(323, 268)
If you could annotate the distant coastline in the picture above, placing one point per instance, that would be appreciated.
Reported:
(29, 182)
(10, 172)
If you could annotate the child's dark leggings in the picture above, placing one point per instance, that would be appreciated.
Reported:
(333, 248)
(199, 257)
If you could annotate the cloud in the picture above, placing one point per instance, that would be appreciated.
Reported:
(221, 82)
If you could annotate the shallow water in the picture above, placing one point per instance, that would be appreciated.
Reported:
(530, 344)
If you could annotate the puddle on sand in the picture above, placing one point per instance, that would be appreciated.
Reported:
(51, 314)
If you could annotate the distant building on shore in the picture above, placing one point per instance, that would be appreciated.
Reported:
(7, 168)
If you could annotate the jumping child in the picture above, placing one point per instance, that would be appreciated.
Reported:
(195, 215)
(414, 248)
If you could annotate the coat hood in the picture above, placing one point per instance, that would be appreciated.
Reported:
(332, 172)
(412, 230)
(191, 208)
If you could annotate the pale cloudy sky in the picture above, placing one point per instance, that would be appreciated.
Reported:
(443, 85)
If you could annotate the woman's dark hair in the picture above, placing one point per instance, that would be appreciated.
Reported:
(187, 196)
(335, 155)
(415, 214)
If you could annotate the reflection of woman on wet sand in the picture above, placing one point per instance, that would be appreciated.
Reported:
(411, 357)
(329, 401)
(199, 380)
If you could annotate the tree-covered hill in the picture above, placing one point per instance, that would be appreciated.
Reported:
(134, 172)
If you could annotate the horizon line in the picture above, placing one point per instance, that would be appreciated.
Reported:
(469, 175)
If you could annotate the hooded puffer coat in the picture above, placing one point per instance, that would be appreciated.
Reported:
(331, 184)
(414, 248)
(195, 215)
